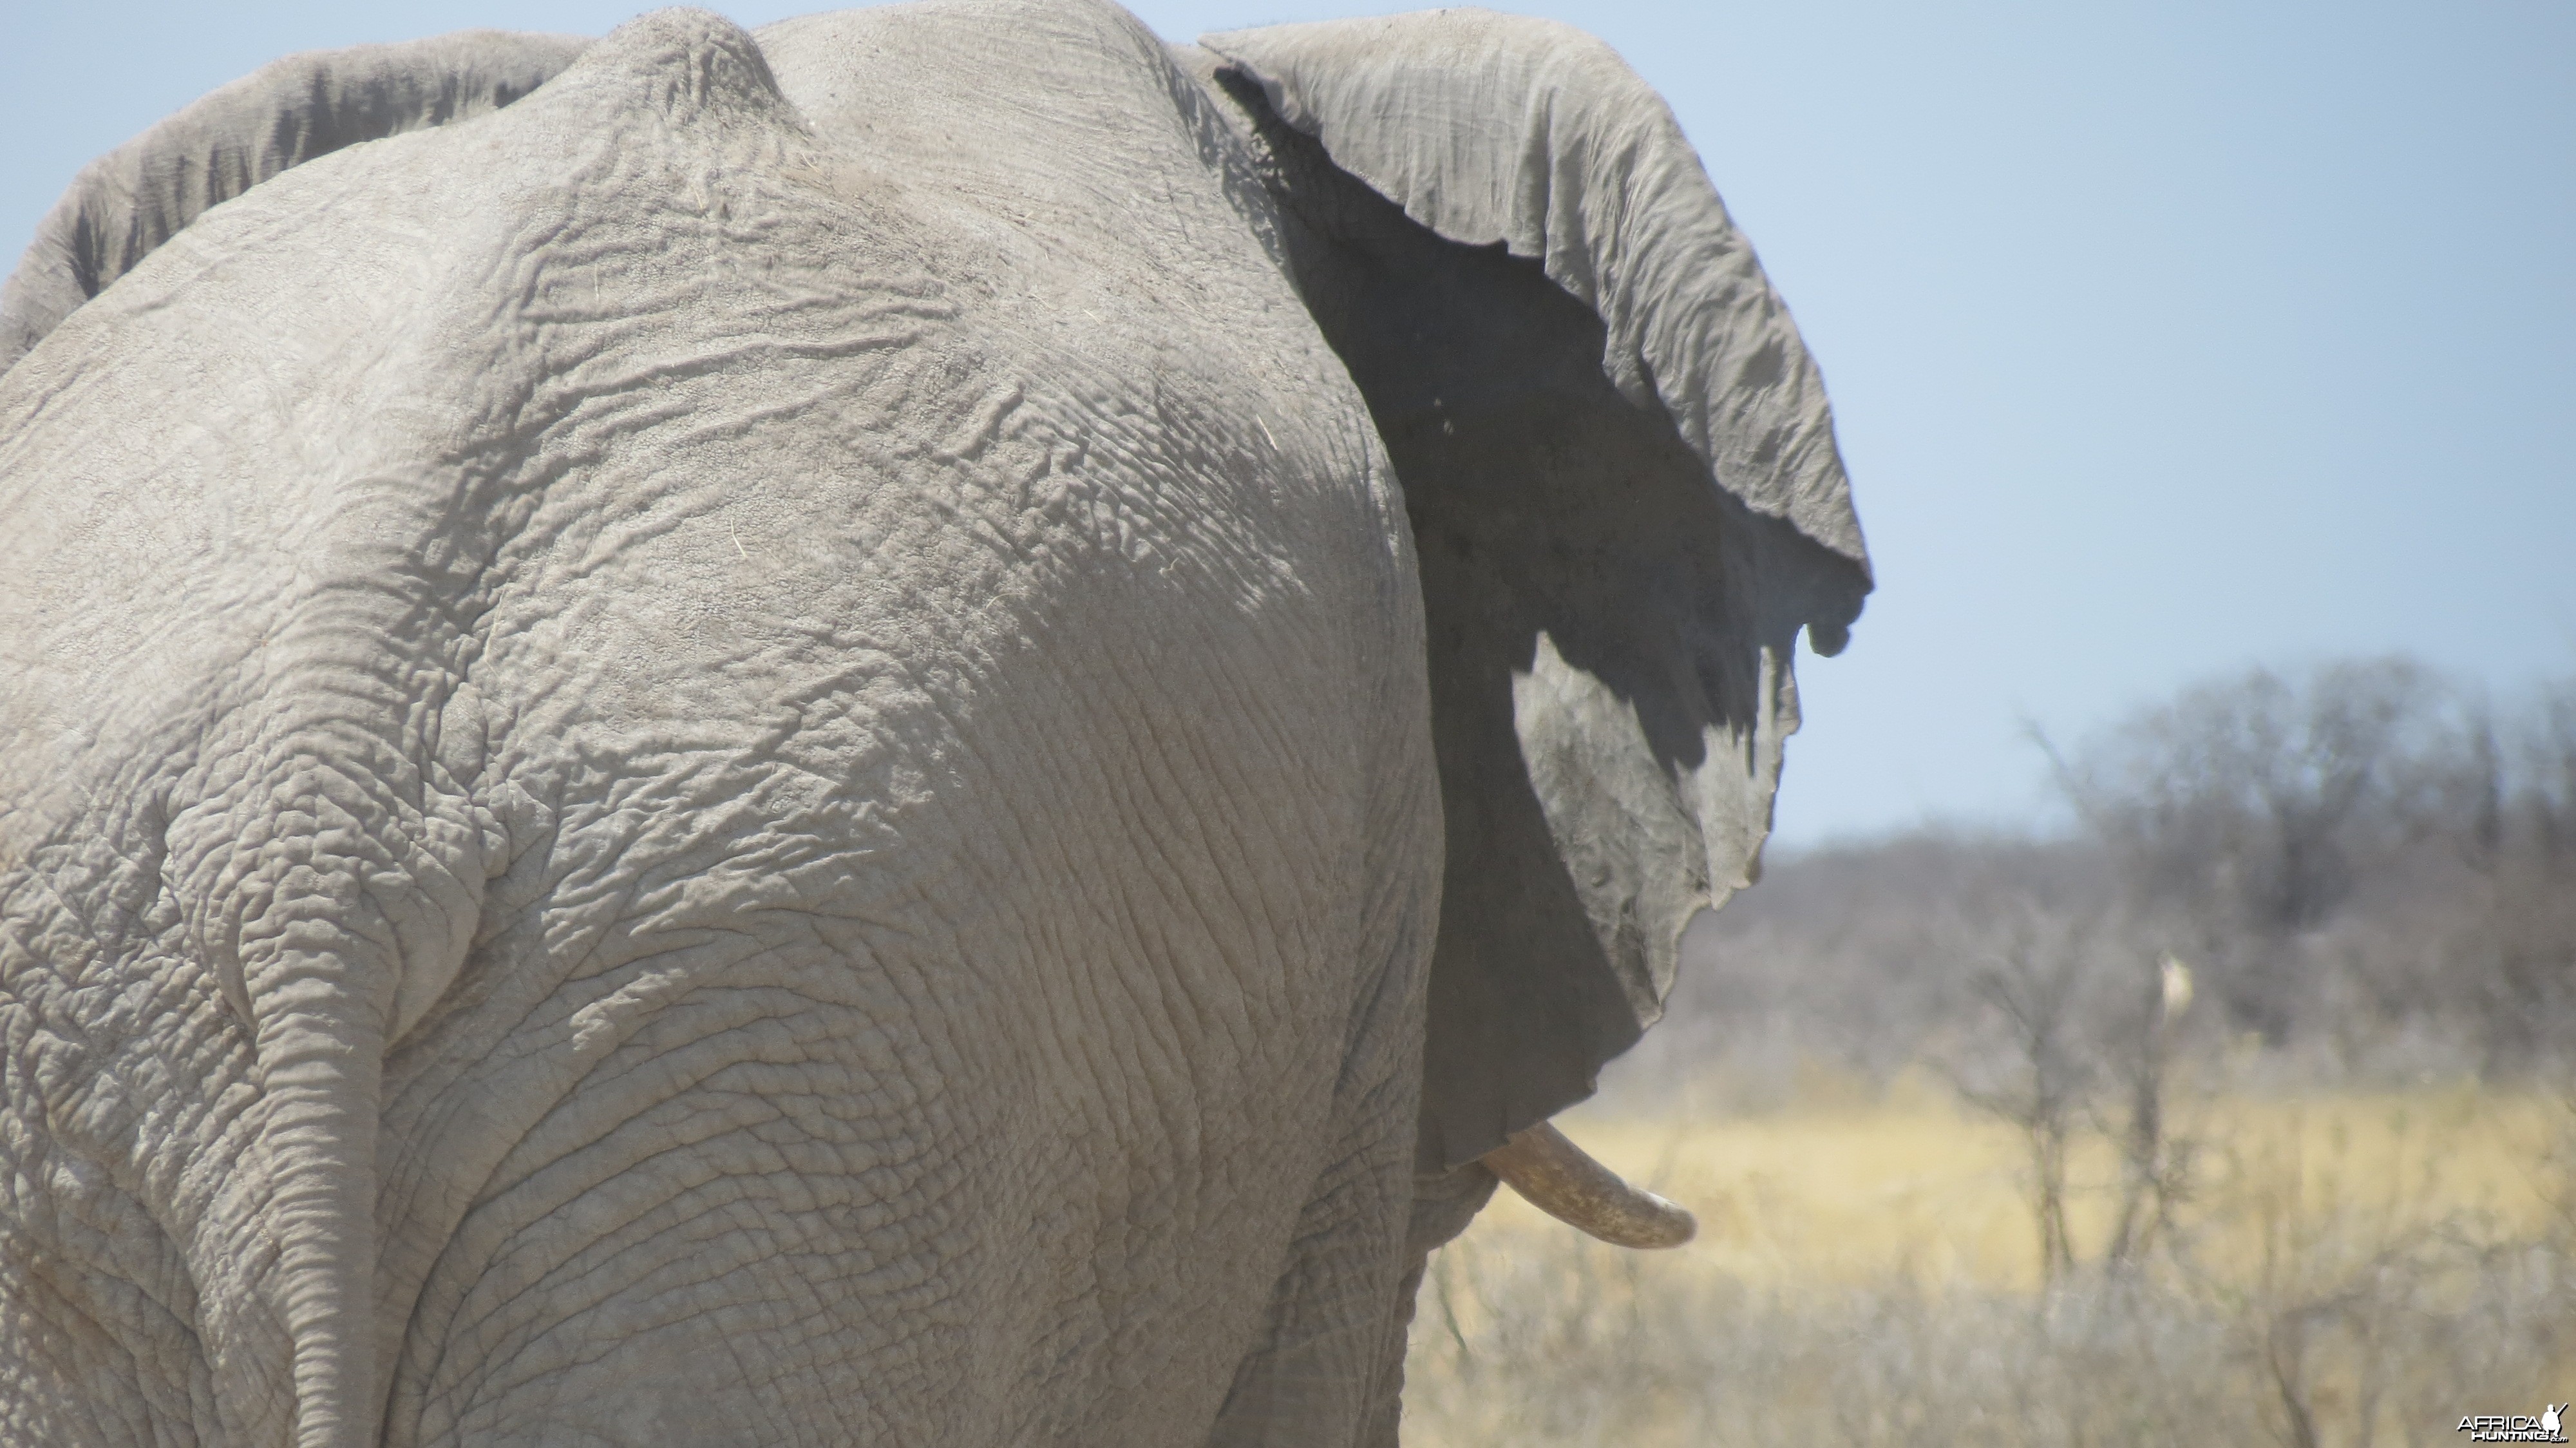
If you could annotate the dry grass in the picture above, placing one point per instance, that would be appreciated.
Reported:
(2349, 1269)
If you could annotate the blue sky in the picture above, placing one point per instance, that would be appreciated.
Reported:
(2165, 338)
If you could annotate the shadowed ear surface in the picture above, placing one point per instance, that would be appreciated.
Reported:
(1625, 496)
(129, 201)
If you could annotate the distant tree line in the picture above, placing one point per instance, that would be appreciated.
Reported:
(2354, 872)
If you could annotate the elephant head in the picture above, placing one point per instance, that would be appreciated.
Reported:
(1410, 577)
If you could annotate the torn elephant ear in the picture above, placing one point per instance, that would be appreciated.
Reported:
(1625, 496)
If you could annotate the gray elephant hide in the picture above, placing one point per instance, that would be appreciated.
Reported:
(756, 749)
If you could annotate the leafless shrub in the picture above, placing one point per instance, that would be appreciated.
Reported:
(2033, 982)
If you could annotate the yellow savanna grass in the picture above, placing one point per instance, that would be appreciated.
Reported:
(1920, 1188)
(2344, 1269)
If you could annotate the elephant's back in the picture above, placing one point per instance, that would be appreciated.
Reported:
(891, 675)
(985, 667)
(961, 686)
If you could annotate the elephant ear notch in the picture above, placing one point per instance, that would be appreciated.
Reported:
(1626, 500)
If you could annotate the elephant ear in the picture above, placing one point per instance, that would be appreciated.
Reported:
(1625, 498)
(129, 201)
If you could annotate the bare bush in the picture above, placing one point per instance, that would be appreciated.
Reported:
(2252, 807)
(2035, 983)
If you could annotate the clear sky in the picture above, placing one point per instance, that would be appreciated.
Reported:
(2165, 338)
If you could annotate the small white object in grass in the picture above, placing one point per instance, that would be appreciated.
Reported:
(2177, 987)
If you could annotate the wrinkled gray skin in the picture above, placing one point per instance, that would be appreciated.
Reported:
(756, 750)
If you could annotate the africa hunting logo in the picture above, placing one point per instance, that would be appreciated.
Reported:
(2516, 1428)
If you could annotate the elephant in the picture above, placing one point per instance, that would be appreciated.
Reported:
(938, 725)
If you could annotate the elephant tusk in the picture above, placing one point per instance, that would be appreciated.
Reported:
(1560, 1179)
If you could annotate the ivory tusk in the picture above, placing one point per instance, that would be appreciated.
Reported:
(1560, 1179)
